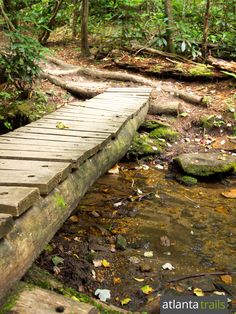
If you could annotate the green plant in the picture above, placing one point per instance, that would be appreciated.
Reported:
(20, 62)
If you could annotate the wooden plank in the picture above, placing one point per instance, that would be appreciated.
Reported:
(6, 224)
(81, 144)
(51, 137)
(79, 127)
(40, 301)
(33, 165)
(16, 200)
(74, 158)
(45, 180)
(87, 117)
(63, 132)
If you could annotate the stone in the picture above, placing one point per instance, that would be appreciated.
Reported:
(187, 180)
(206, 164)
(121, 242)
(145, 268)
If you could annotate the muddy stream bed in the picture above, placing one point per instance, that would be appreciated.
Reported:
(132, 223)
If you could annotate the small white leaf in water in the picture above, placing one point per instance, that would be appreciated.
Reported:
(219, 292)
(191, 232)
(97, 263)
(160, 167)
(93, 274)
(117, 204)
(154, 148)
(148, 254)
(103, 294)
(139, 192)
(168, 266)
(145, 167)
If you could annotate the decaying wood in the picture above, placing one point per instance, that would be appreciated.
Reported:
(81, 92)
(40, 301)
(189, 97)
(6, 224)
(118, 76)
(229, 66)
(170, 107)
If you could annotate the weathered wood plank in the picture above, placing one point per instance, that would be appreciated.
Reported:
(45, 180)
(39, 301)
(38, 148)
(83, 143)
(63, 132)
(16, 200)
(6, 224)
(84, 127)
(33, 165)
(51, 137)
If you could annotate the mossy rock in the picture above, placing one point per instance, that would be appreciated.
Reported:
(187, 180)
(164, 133)
(143, 146)
(150, 125)
(206, 164)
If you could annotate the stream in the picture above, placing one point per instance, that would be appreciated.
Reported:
(131, 224)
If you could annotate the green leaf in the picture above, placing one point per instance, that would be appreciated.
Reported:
(57, 260)
(147, 289)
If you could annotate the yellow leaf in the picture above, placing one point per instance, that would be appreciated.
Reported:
(74, 218)
(227, 279)
(198, 292)
(61, 125)
(116, 280)
(229, 194)
(125, 301)
(138, 279)
(114, 170)
(105, 263)
(147, 289)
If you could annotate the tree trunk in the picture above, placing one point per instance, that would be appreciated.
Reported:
(75, 17)
(46, 33)
(169, 25)
(206, 29)
(84, 29)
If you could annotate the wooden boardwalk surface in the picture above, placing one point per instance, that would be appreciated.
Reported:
(37, 158)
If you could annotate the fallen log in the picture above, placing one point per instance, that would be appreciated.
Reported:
(169, 108)
(191, 98)
(81, 92)
(68, 69)
(222, 64)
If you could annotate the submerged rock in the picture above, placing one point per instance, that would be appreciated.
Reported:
(206, 164)
(187, 180)
(121, 242)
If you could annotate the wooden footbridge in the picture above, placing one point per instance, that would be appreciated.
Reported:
(48, 165)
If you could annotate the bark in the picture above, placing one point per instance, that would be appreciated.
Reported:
(191, 98)
(171, 107)
(75, 17)
(222, 64)
(46, 33)
(169, 25)
(84, 29)
(81, 92)
(206, 29)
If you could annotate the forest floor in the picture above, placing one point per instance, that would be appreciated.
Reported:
(87, 243)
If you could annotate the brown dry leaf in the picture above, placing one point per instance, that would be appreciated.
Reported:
(229, 194)
(114, 170)
(116, 280)
(221, 210)
(74, 218)
(227, 279)
(165, 241)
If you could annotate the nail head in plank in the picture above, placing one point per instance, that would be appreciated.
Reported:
(16, 200)
(40, 301)
(6, 224)
(34, 165)
(45, 180)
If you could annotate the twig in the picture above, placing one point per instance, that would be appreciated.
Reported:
(201, 275)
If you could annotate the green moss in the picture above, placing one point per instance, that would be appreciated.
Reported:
(200, 70)
(59, 199)
(143, 146)
(187, 180)
(164, 133)
(150, 125)
(157, 68)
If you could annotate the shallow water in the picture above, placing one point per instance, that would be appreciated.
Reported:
(198, 223)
